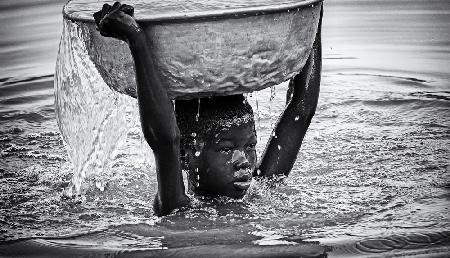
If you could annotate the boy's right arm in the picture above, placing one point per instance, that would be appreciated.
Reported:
(287, 137)
(156, 111)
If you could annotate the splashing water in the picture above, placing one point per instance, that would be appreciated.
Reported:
(92, 118)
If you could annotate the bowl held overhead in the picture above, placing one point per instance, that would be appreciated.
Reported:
(217, 48)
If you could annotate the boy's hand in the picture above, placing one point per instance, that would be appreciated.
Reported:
(117, 21)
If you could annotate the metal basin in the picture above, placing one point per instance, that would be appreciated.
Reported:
(223, 51)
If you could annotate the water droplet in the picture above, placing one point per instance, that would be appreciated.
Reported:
(197, 153)
(198, 111)
(257, 110)
(272, 96)
(100, 186)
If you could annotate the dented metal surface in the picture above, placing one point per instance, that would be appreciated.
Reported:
(212, 55)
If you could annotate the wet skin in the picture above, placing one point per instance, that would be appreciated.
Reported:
(226, 162)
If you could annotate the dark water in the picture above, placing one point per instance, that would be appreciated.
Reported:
(372, 178)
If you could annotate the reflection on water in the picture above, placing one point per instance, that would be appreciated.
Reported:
(29, 35)
(371, 178)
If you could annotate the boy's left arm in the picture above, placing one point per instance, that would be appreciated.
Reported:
(286, 140)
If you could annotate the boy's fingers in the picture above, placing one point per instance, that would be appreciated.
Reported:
(116, 6)
(128, 9)
(105, 9)
(98, 17)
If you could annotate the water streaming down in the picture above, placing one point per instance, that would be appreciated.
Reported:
(92, 118)
(371, 178)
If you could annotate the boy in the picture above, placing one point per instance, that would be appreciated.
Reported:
(217, 145)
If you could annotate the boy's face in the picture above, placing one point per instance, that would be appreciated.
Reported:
(227, 161)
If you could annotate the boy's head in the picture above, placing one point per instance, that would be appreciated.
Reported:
(218, 141)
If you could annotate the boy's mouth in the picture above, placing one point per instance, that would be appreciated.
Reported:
(243, 179)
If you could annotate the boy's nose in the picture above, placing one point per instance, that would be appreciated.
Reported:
(240, 160)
